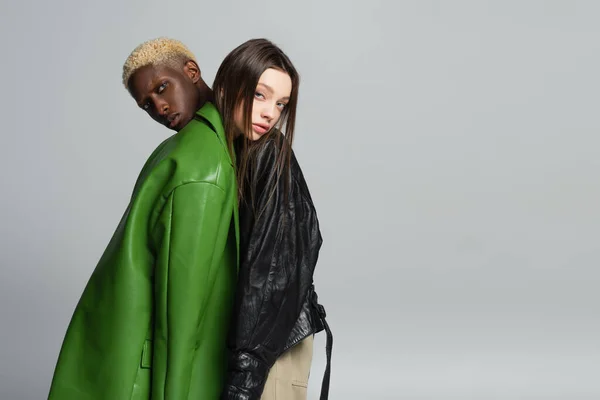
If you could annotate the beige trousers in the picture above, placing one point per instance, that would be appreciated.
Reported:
(288, 378)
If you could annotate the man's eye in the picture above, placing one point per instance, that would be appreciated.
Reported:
(162, 87)
(146, 106)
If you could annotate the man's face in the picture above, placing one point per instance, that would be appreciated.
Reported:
(169, 96)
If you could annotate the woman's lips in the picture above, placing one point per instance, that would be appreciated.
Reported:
(260, 128)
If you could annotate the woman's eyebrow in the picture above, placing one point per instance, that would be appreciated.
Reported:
(270, 89)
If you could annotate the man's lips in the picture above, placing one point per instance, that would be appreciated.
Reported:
(261, 128)
(173, 120)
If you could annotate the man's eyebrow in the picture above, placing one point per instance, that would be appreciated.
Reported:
(150, 88)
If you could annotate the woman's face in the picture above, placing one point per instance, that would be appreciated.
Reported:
(271, 96)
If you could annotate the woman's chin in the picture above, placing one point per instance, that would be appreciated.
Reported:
(255, 135)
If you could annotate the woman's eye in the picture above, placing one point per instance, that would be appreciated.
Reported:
(281, 105)
(259, 95)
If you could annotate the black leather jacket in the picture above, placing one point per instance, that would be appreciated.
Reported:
(276, 305)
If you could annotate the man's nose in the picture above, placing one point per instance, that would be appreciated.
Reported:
(162, 107)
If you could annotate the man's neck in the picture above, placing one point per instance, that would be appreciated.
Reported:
(206, 94)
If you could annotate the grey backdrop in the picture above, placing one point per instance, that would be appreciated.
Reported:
(452, 149)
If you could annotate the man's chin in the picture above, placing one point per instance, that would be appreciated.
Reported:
(182, 123)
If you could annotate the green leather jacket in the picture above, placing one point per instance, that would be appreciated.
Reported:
(153, 319)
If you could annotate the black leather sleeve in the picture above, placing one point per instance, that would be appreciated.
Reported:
(280, 241)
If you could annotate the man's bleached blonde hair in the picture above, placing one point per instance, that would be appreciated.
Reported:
(157, 52)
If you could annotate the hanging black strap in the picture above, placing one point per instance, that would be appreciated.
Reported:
(329, 350)
(329, 347)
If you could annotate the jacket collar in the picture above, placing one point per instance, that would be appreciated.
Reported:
(210, 114)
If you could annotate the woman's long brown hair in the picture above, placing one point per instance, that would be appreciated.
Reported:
(235, 84)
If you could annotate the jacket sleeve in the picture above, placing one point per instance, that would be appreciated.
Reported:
(186, 229)
(270, 293)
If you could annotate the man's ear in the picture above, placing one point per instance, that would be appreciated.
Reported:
(192, 70)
